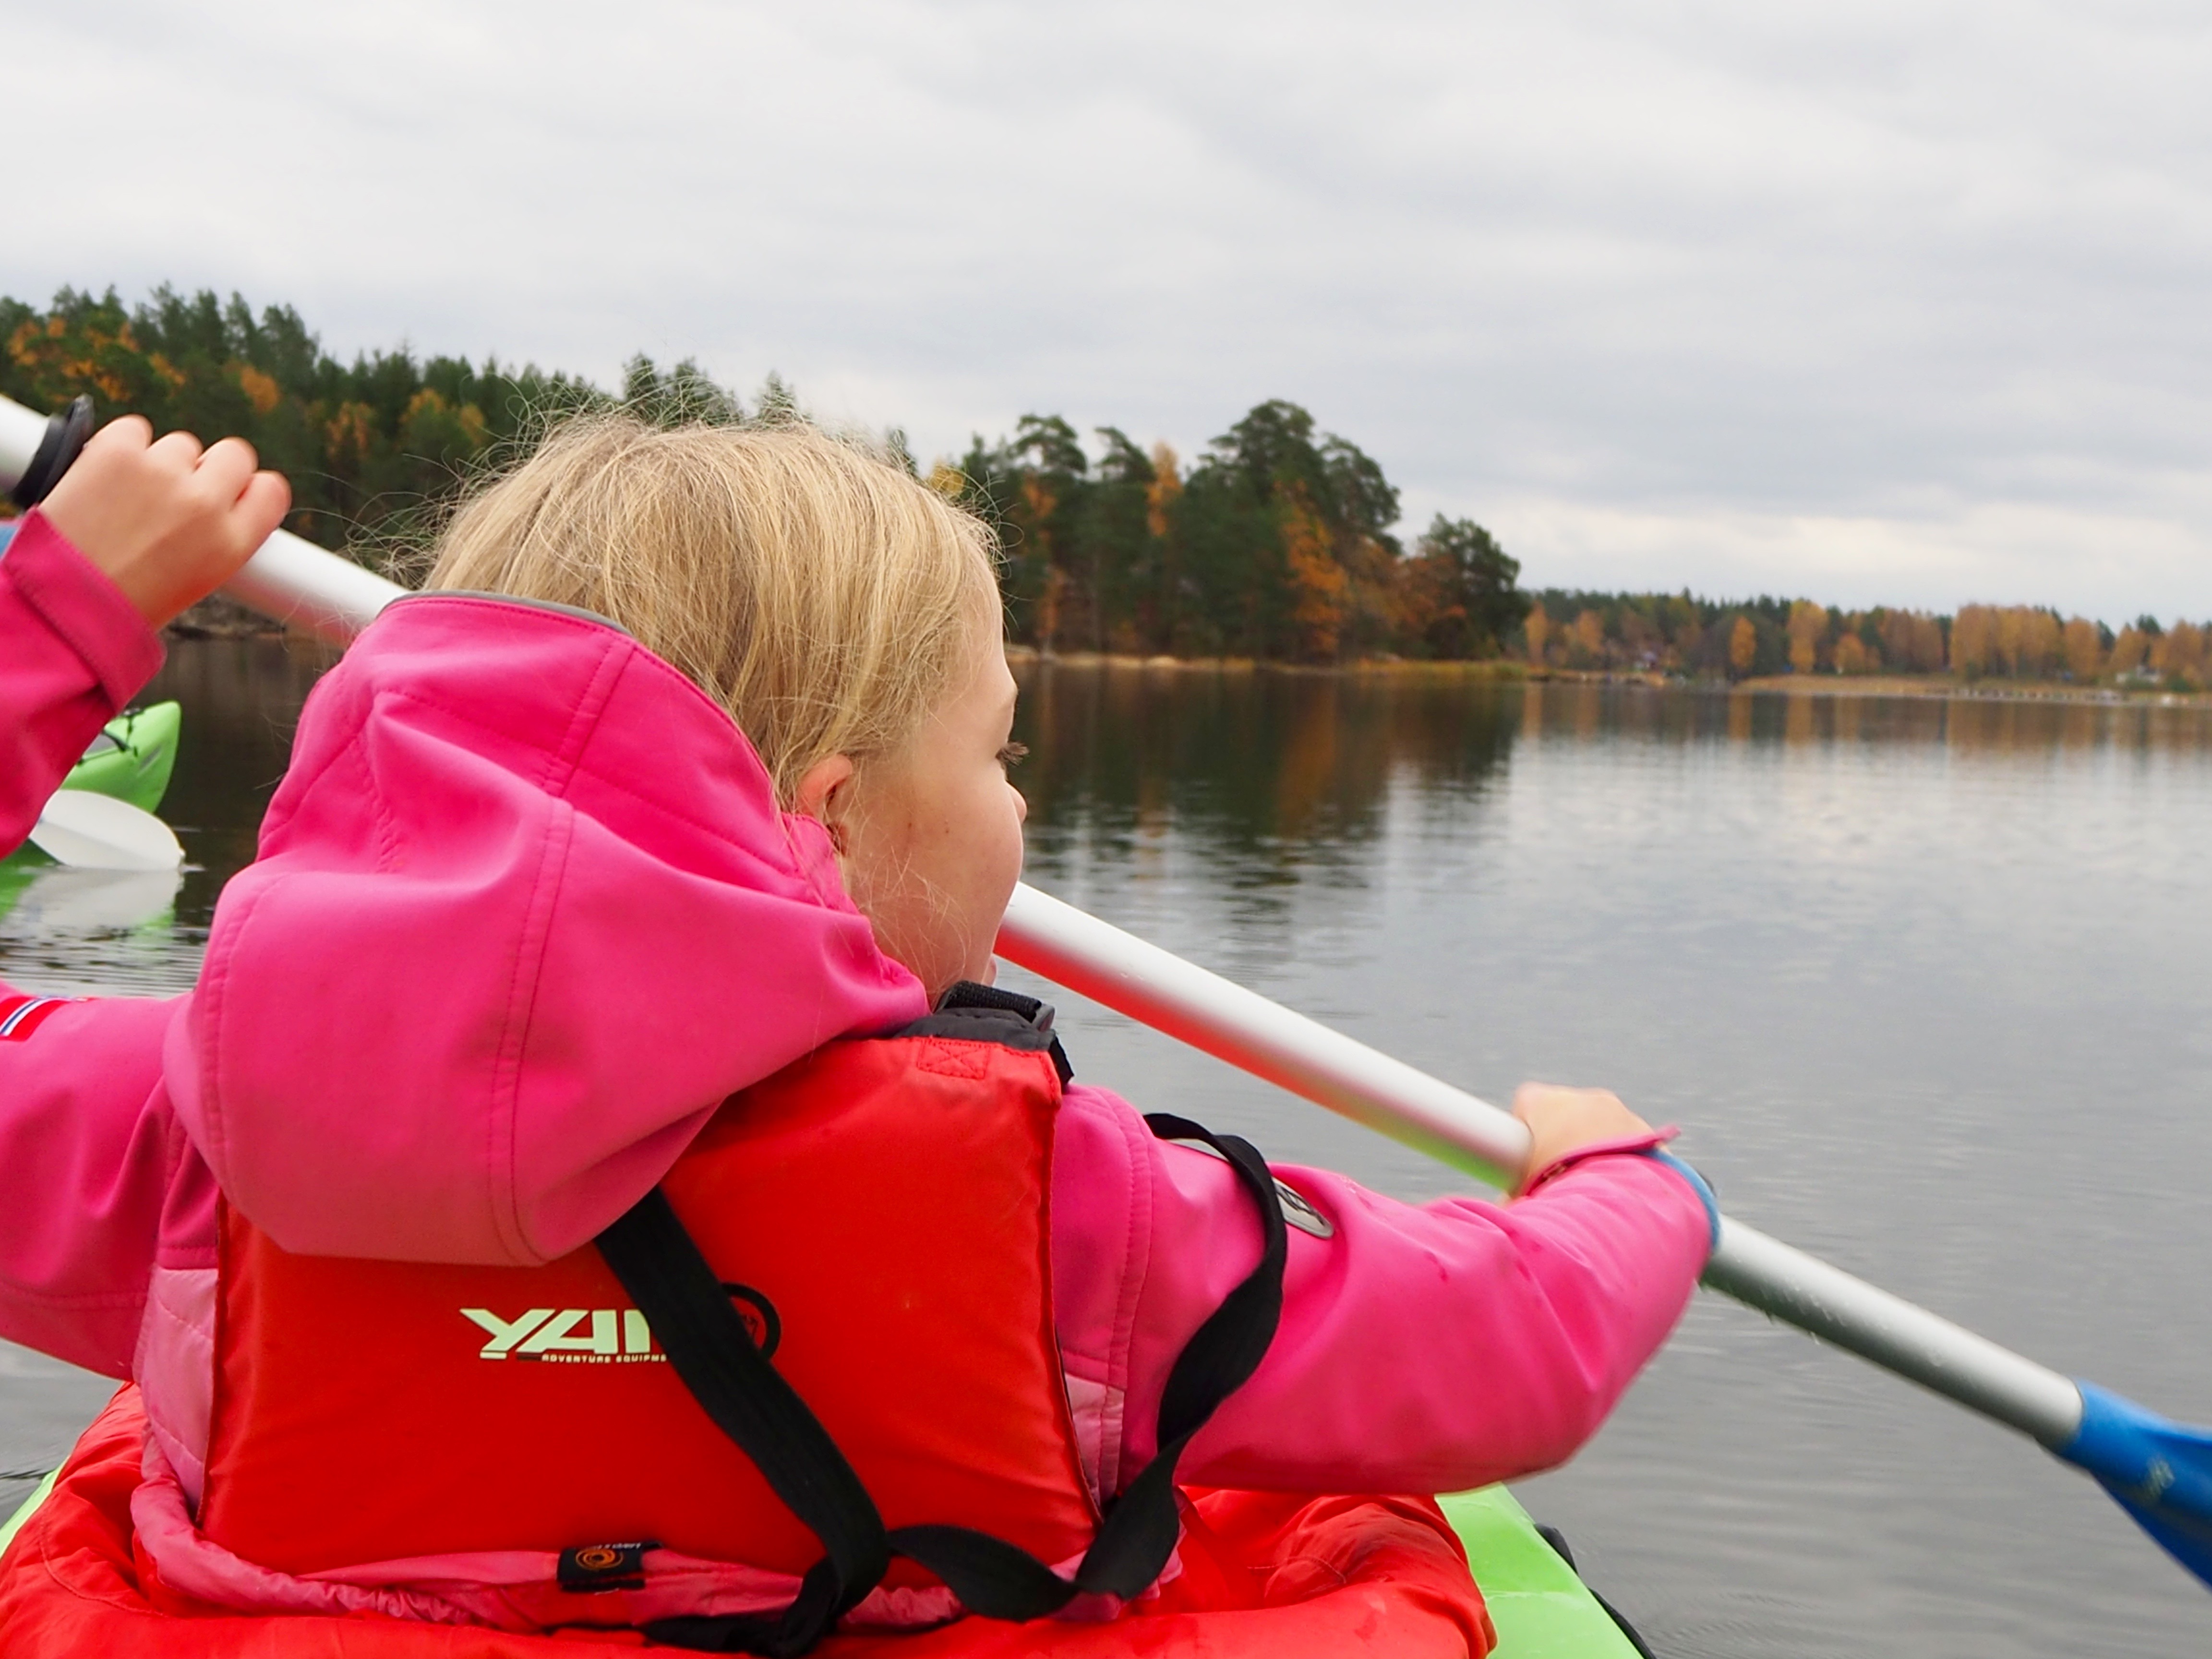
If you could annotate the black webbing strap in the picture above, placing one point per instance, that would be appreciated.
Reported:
(683, 1301)
(1141, 1527)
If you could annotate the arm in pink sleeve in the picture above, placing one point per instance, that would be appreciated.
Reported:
(89, 1156)
(1422, 1348)
(73, 651)
(88, 1150)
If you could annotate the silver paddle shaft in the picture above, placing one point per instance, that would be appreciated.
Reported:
(308, 589)
(300, 584)
(292, 581)
(1101, 962)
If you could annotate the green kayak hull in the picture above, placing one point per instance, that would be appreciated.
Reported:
(1542, 1610)
(14, 1522)
(132, 757)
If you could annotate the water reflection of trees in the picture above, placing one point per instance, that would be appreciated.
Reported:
(1995, 727)
(1273, 777)
(242, 700)
(1269, 781)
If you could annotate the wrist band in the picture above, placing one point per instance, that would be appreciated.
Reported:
(1698, 1185)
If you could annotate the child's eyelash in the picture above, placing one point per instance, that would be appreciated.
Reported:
(1012, 755)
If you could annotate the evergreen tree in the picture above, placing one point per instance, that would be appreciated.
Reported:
(1468, 602)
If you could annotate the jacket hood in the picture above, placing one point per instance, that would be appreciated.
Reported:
(526, 912)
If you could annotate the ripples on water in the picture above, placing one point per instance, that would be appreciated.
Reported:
(1924, 981)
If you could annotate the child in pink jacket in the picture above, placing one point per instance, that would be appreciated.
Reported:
(695, 764)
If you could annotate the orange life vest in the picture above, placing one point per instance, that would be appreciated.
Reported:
(882, 1205)
(848, 1270)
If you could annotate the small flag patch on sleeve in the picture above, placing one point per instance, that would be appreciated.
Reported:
(20, 1016)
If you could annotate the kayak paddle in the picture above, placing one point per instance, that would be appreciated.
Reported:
(92, 831)
(2159, 1471)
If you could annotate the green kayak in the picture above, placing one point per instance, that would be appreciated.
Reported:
(9, 1528)
(132, 757)
(1541, 1609)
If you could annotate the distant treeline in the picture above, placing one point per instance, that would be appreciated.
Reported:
(1279, 541)
(1702, 639)
(367, 445)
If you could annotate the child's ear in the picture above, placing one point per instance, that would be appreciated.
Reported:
(820, 794)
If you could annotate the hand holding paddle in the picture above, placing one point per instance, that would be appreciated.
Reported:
(165, 520)
(1562, 1121)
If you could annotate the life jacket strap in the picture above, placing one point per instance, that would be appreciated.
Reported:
(682, 1297)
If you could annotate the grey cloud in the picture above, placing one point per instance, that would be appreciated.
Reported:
(1885, 301)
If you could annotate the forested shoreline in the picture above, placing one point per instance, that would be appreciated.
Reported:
(1278, 541)
(1699, 639)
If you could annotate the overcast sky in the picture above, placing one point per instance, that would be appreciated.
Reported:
(1873, 301)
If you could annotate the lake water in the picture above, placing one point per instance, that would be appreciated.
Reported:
(1926, 984)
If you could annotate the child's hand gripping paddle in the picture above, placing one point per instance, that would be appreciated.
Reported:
(292, 581)
(2160, 1472)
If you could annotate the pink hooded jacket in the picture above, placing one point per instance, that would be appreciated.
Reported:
(525, 910)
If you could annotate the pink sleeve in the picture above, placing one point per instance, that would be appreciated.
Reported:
(73, 651)
(1422, 1348)
(89, 1155)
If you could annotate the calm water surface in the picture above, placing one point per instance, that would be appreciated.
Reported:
(1925, 983)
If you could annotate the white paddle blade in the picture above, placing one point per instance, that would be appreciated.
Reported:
(99, 832)
(61, 903)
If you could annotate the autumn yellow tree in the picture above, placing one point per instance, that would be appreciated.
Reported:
(1743, 646)
(2026, 640)
(261, 390)
(1807, 623)
(1160, 495)
(1913, 641)
(1586, 639)
(95, 347)
(2179, 654)
(2128, 652)
(1537, 629)
(1319, 584)
(2084, 649)
(1853, 653)
(1974, 640)
(2042, 644)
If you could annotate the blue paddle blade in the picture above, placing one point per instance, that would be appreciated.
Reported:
(2160, 1472)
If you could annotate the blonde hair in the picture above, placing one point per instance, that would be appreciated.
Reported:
(821, 596)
